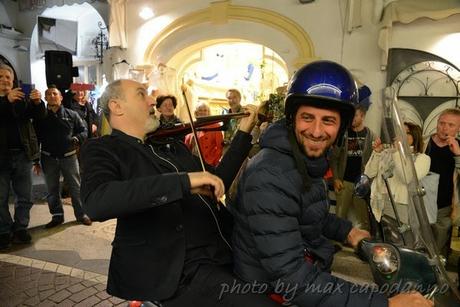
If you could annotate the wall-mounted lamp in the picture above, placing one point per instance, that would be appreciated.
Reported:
(100, 42)
(146, 13)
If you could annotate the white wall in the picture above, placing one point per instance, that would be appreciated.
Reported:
(440, 37)
(5, 13)
(361, 55)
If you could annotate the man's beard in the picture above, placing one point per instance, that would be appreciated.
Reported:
(308, 151)
(152, 124)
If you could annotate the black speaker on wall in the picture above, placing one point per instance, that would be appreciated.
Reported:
(58, 68)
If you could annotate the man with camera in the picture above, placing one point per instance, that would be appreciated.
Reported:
(18, 150)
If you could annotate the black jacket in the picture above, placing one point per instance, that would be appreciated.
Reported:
(138, 185)
(57, 131)
(277, 223)
(23, 112)
(86, 113)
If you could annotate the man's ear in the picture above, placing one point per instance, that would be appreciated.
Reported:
(115, 107)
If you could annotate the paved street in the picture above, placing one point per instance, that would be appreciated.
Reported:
(30, 282)
(67, 265)
(64, 266)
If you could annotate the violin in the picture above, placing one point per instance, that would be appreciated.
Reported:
(201, 124)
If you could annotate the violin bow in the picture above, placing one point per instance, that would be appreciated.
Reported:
(197, 144)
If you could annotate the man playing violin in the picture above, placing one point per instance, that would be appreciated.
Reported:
(170, 243)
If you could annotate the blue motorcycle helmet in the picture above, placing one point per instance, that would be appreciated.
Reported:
(323, 84)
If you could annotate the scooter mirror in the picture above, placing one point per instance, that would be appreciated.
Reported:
(362, 187)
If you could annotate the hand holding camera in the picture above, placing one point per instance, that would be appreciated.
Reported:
(15, 95)
(31, 93)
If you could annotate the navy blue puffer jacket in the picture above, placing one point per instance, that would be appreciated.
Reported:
(277, 222)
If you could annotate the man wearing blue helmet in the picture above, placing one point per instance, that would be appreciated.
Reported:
(283, 227)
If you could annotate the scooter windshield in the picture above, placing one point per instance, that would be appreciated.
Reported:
(394, 138)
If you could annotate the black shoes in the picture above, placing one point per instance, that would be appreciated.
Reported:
(5, 240)
(22, 236)
(85, 220)
(55, 221)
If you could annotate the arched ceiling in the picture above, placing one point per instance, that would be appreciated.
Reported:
(221, 20)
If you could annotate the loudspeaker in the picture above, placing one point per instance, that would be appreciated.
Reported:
(58, 68)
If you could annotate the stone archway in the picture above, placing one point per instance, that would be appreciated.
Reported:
(220, 15)
(87, 18)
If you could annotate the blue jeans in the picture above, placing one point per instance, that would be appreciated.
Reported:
(15, 172)
(52, 169)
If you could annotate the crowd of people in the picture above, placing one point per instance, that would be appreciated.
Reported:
(42, 138)
(176, 242)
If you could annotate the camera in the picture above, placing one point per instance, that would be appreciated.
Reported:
(27, 88)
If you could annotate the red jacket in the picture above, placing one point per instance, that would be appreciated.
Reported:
(210, 143)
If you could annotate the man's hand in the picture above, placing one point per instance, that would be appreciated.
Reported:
(207, 184)
(75, 141)
(15, 95)
(377, 145)
(413, 299)
(263, 126)
(35, 96)
(453, 145)
(338, 185)
(247, 123)
(356, 235)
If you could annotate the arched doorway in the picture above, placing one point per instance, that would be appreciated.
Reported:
(179, 46)
(210, 68)
(87, 18)
(222, 19)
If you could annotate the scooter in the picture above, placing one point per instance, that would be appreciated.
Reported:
(404, 267)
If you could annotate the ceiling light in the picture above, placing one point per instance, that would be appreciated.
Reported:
(146, 13)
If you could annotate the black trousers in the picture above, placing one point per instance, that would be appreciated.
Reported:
(217, 286)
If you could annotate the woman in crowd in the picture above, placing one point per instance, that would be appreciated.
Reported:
(166, 104)
(388, 163)
(211, 142)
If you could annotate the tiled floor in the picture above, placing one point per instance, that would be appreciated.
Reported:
(64, 266)
(31, 282)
